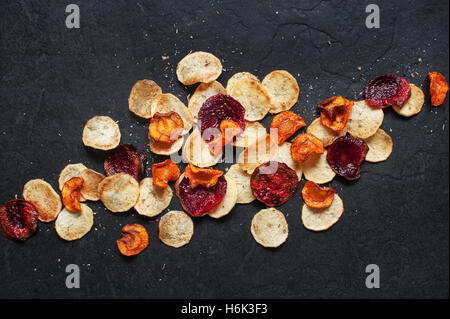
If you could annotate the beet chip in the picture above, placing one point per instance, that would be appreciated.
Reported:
(125, 159)
(18, 219)
(345, 156)
(387, 90)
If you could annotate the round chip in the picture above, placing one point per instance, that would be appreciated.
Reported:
(162, 149)
(253, 98)
(269, 228)
(197, 152)
(364, 120)
(316, 219)
(198, 67)
(141, 97)
(237, 76)
(317, 170)
(90, 186)
(284, 156)
(201, 94)
(228, 202)
(323, 133)
(253, 132)
(101, 132)
(413, 105)
(176, 229)
(242, 180)
(42, 195)
(72, 226)
(119, 193)
(152, 199)
(380, 147)
(70, 171)
(165, 103)
(282, 89)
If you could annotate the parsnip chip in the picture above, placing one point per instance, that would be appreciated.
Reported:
(163, 149)
(264, 151)
(380, 147)
(282, 89)
(42, 195)
(90, 186)
(228, 202)
(141, 97)
(201, 94)
(101, 132)
(237, 76)
(176, 229)
(152, 199)
(119, 193)
(322, 219)
(198, 67)
(72, 226)
(414, 104)
(253, 98)
(317, 169)
(70, 171)
(196, 151)
(364, 120)
(252, 133)
(323, 133)
(284, 156)
(242, 180)
(269, 228)
(165, 103)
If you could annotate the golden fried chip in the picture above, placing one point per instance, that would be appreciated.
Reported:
(203, 92)
(198, 67)
(380, 147)
(414, 104)
(90, 186)
(196, 151)
(42, 195)
(228, 202)
(364, 120)
(253, 132)
(284, 156)
(237, 76)
(176, 229)
(72, 226)
(253, 98)
(101, 132)
(141, 97)
(119, 193)
(317, 169)
(242, 180)
(323, 133)
(282, 89)
(152, 199)
(269, 228)
(316, 219)
(165, 103)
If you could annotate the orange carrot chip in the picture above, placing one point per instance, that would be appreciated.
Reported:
(335, 111)
(228, 130)
(304, 146)
(71, 194)
(438, 88)
(287, 124)
(202, 176)
(166, 128)
(133, 240)
(165, 172)
(316, 196)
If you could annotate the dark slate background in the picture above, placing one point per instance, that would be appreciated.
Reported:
(54, 79)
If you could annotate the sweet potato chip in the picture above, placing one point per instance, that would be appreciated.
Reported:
(269, 228)
(42, 195)
(202, 176)
(166, 128)
(101, 132)
(305, 145)
(176, 229)
(198, 67)
(287, 123)
(152, 199)
(322, 219)
(70, 226)
(438, 88)
(316, 196)
(133, 239)
(71, 193)
(141, 97)
(334, 112)
(228, 130)
(282, 89)
(165, 103)
(165, 172)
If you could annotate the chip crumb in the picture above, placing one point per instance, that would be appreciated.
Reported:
(165, 57)
(359, 68)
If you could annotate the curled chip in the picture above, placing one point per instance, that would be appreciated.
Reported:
(125, 159)
(71, 193)
(71, 226)
(323, 133)
(228, 202)
(133, 240)
(282, 89)
(242, 180)
(176, 229)
(387, 90)
(119, 193)
(198, 67)
(18, 219)
(364, 120)
(202, 176)
(166, 103)
(152, 199)
(316, 196)
(197, 151)
(304, 146)
(237, 76)
(269, 228)
(141, 97)
(71, 170)
(346, 155)
(334, 112)
(287, 123)
(203, 92)
(317, 169)
(44, 198)
(253, 97)
(228, 131)
(414, 104)
(165, 172)
(380, 147)
(438, 88)
(263, 151)
(165, 128)
(90, 186)
(101, 132)
(273, 183)
(320, 219)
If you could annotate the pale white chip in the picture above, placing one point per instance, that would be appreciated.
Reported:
(119, 193)
(197, 152)
(101, 132)
(176, 229)
(380, 147)
(91, 179)
(228, 202)
(141, 97)
(253, 98)
(237, 76)
(257, 154)
(414, 104)
(323, 133)
(72, 226)
(242, 180)
(282, 89)
(364, 120)
(165, 103)
(284, 156)
(162, 149)
(316, 169)
(69, 172)
(203, 92)
(42, 195)
(198, 67)
(253, 132)
(322, 219)
(269, 228)
(152, 199)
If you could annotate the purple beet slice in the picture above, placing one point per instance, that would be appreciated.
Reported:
(346, 155)
(387, 90)
(200, 200)
(18, 219)
(216, 109)
(125, 159)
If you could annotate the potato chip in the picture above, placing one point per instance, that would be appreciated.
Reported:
(317, 219)
(176, 229)
(380, 146)
(165, 103)
(133, 240)
(71, 194)
(101, 132)
(253, 98)
(197, 152)
(237, 76)
(284, 156)
(44, 198)
(164, 149)
(269, 228)
(414, 104)
(72, 226)
(317, 169)
(141, 97)
(201, 94)
(242, 180)
(282, 89)
(90, 186)
(152, 199)
(264, 151)
(252, 133)
(323, 133)
(228, 202)
(364, 120)
(198, 67)
(119, 193)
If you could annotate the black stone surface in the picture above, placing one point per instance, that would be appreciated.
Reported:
(396, 216)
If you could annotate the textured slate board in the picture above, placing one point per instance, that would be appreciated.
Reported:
(54, 79)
